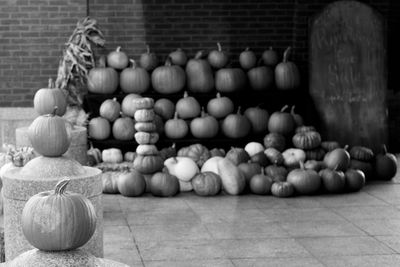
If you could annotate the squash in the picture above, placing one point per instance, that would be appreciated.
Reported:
(277, 173)
(260, 184)
(147, 127)
(147, 164)
(206, 184)
(168, 79)
(196, 152)
(187, 107)
(123, 129)
(48, 135)
(148, 60)
(329, 145)
(200, 78)
(184, 168)
(282, 189)
(338, 158)
(355, 180)
(247, 59)
(361, 153)
(131, 184)
(178, 57)
(168, 152)
(158, 121)
(253, 148)
(117, 59)
(304, 181)
(164, 108)
(298, 119)
(102, 79)
(258, 118)
(249, 169)
(237, 155)
(185, 186)
(112, 155)
(143, 138)
(57, 220)
(270, 57)
(127, 104)
(261, 78)
(385, 165)
(230, 80)
(275, 140)
(129, 156)
(211, 165)
(281, 122)
(260, 158)
(293, 156)
(236, 125)
(366, 167)
(142, 103)
(144, 115)
(46, 99)
(99, 128)
(204, 127)
(287, 75)
(164, 185)
(218, 58)
(147, 150)
(176, 128)
(217, 152)
(332, 180)
(233, 180)
(134, 80)
(220, 106)
(304, 128)
(315, 165)
(93, 155)
(110, 109)
(306, 140)
(315, 154)
(274, 155)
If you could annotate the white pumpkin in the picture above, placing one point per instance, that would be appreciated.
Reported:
(253, 148)
(211, 165)
(184, 168)
(293, 156)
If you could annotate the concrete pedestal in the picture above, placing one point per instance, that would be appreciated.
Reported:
(42, 174)
(77, 150)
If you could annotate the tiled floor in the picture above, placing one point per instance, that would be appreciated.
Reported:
(359, 229)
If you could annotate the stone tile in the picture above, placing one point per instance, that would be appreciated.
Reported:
(365, 261)
(302, 202)
(197, 263)
(148, 202)
(379, 226)
(225, 202)
(352, 199)
(115, 233)
(368, 212)
(392, 241)
(242, 230)
(321, 228)
(388, 192)
(274, 262)
(111, 203)
(175, 231)
(343, 246)
(162, 217)
(116, 218)
(304, 214)
(231, 215)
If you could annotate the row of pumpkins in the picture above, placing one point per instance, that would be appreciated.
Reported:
(201, 74)
(176, 120)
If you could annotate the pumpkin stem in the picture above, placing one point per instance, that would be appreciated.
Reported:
(54, 111)
(203, 113)
(260, 62)
(270, 48)
(176, 115)
(346, 147)
(61, 186)
(118, 49)
(114, 99)
(284, 108)
(286, 54)
(336, 166)
(247, 49)
(218, 95)
(185, 94)
(302, 165)
(262, 171)
(168, 62)
(384, 148)
(102, 62)
(239, 110)
(173, 145)
(179, 49)
(51, 83)
(133, 62)
(199, 54)
(148, 49)
(219, 46)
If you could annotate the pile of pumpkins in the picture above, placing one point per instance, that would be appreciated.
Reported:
(201, 74)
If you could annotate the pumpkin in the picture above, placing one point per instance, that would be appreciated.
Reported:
(146, 138)
(168, 152)
(165, 108)
(130, 156)
(329, 145)
(117, 59)
(127, 104)
(176, 128)
(185, 186)
(260, 158)
(158, 121)
(274, 155)
(260, 184)
(102, 79)
(142, 103)
(293, 156)
(282, 189)
(123, 129)
(204, 127)
(148, 60)
(147, 150)
(261, 78)
(253, 148)
(48, 135)
(147, 164)
(332, 180)
(168, 79)
(196, 152)
(110, 182)
(366, 167)
(144, 115)
(236, 125)
(218, 58)
(277, 173)
(304, 128)
(112, 155)
(270, 57)
(46, 99)
(99, 128)
(134, 80)
(307, 140)
(230, 80)
(57, 220)
(361, 153)
(355, 179)
(314, 165)
(249, 169)
(237, 155)
(184, 168)
(93, 155)
(211, 165)
(131, 184)
(164, 185)
(178, 57)
(217, 152)
(315, 154)
(287, 75)
(281, 122)
(298, 119)
(258, 118)
(275, 140)
(304, 181)
(220, 106)
(110, 109)
(233, 180)
(206, 184)
(148, 127)
(338, 158)
(385, 165)
(187, 107)
(200, 78)
(247, 59)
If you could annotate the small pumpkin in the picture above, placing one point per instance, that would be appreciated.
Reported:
(131, 184)
(236, 125)
(165, 108)
(218, 58)
(237, 155)
(200, 78)
(147, 150)
(123, 129)
(204, 127)
(260, 158)
(275, 140)
(110, 109)
(127, 105)
(315, 165)
(304, 128)
(147, 164)
(176, 128)
(307, 140)
(46, 99)
(249, 169)
(355, 180)
(329, 145)
(48, 135)
(260, 184)
(93, 155)
(164, 185)
(117, 59)
(102, 79)
(220, 106)
(261, 78)
(168, 79)
(99, 128)
(247, 59)
(258, 118)
(282, 189)
(293, 156)
(278, 173)
(130, 156)
(332, 180)
(253, 148)
(281, 122)
(112, 155)
(366, 167)
(385, 165)
(187, 107)
(287, 75)
(135, 79)
(196, 152)
(338, 158)
(230, 80)
(207, 184)
(147, 127)
(146, 138)
(315, 154)
(178, 57)
(217, 152)
(144, 115)
(304, 181)
(184, 168)
(361, 153)
(274, 155)
(270, 57)
(57, 220)
(148, 60)
(143, 103)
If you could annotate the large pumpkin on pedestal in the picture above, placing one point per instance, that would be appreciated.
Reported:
(46, 99)
(168, 79)
(199, 74)
(102, 79)
(236, 125)
(287, 75)
(57, 220)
